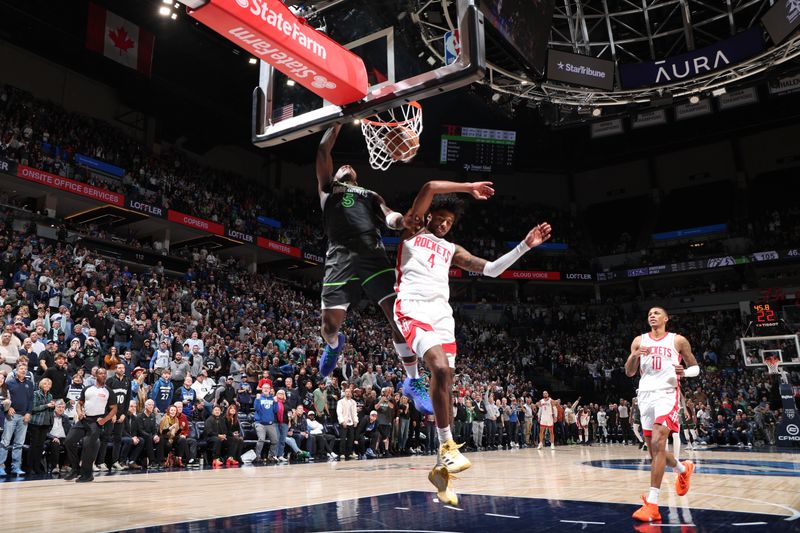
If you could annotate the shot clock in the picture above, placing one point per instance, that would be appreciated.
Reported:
(765, 316)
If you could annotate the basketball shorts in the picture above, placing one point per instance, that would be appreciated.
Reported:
(351, 271)
(659, 407)
(426, 324)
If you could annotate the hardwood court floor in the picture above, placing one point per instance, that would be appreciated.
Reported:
(727, 479)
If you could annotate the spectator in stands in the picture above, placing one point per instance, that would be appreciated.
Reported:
(179, 368)
(216, 433)
(368, 435)
(348, 419)
(171, 447)
(265, 408)
(189, 456)
(40, 423)
(722, 433)
(18, 415)
(742, 430)
(162, 392)
(323, 442)
(147, 430)
(56, 438)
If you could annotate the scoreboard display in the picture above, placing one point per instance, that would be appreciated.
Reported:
(765, 316)
(477, 149)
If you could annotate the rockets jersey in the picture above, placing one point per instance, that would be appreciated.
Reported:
(657, 368)
(423, 267)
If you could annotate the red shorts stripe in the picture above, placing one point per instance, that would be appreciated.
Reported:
(409, 326)
(450, 347)
(671, 419)
(647, 433)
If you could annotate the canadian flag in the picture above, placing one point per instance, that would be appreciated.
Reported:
(121, 40)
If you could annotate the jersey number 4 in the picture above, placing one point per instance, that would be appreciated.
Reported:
(432, 260)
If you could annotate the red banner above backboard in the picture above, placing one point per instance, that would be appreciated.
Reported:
(269, 31)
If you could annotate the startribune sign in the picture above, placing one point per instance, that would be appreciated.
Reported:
(580, 70)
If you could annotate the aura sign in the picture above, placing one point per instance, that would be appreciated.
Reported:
(682, 67)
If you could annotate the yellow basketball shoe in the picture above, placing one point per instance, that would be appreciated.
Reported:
(450, 457)
(440, 478)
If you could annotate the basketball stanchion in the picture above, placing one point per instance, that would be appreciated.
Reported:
(393, 135)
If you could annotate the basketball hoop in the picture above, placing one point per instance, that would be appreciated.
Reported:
(393, 135)
(773, 365)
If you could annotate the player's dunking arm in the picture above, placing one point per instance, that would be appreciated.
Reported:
(324, 158)
(463, 259)
(415, 217)
(394, 220)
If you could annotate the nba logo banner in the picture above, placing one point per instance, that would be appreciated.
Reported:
(452, 47)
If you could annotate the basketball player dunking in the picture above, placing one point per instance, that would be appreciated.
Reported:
(658, 357)
(356, 261)
(422, 310)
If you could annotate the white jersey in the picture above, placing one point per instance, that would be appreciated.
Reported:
(423, 268)
(657, 368)
(546, 412)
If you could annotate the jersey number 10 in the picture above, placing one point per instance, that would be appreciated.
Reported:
(656, 363)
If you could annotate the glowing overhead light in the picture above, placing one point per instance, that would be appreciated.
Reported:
(596, 112)
(173, 16)
(164, 11)
(694, 99)
(252, 60)
(290, 82)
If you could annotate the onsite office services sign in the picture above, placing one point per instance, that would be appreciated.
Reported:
(692, 64)
(65, 184)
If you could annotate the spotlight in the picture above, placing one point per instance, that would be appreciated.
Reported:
(177, 5)
(596, 112)
(496, 97)
(719, 92)
(252, 60)
(356, 122)
(694, 99)
(173, 16)
(525, 82)
(166, 2)
(164, 11)
(290, 82)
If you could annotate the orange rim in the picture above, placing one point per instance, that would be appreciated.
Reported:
(392, 124)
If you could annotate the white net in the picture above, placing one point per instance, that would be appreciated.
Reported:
(773, 364)
(393, 135)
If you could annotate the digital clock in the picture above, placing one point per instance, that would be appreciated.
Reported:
(765, 315)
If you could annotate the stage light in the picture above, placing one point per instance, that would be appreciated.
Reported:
(496, 97)
(719, 92)
(290, 82)
(173, 16)
(596, 112)
(252, 60)
(166, 2)
(694, 99)
(164, 11)
(356, 122)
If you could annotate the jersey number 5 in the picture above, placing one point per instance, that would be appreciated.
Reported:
(432, 260)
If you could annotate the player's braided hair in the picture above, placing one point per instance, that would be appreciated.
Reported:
(448, 202)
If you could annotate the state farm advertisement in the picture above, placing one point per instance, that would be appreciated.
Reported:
(194, 222)
(65, 184)
(279, 247)
(269, 31)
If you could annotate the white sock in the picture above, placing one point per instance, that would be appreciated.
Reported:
(412, 369)
(679, 468)
(676, 444)
(653, 496)
(335, 343)
(444, 435)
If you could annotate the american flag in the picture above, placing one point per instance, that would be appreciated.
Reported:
(284, 112)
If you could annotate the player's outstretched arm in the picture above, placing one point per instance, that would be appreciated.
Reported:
(480, 190)
(690, 369)
(632, 364)
(393, 219)
(467, 261)
(324, 158)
